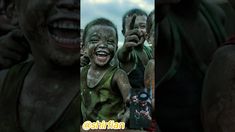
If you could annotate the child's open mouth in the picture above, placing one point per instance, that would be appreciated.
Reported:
(65, 33)
(102, 56)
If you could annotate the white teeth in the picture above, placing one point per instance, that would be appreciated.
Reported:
(65, 25)
(65, 40)
(69, 26)
(101, 53)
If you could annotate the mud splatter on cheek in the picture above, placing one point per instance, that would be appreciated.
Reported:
(90, 50)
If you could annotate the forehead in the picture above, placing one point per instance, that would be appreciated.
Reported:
(141, 19)
(101, 30)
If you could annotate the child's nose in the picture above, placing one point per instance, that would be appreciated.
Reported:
(103, 45)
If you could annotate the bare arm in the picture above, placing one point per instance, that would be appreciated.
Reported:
(123, 84)
(131, 39)
(218, 97)
(149, 80)
(149, 74)
(121, 80)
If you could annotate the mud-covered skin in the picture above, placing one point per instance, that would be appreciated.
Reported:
(135, 35)
(218, 95)
(49, 42)
(101, 40)
(52, 83)
(149, 73)
(218, 105)
(101, 45)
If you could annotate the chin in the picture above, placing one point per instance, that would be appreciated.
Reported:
(104, 62)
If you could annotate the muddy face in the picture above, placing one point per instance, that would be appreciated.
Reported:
(140, 24)
(101, 43)
(52, 28)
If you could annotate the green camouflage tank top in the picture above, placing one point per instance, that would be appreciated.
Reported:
(100, 102)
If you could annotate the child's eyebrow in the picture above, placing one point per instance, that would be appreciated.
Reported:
(94, 34)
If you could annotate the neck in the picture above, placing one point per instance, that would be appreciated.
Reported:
(187, 8)
(45, 70)
(99, 68)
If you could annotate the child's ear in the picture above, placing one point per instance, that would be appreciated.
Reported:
(12, 13)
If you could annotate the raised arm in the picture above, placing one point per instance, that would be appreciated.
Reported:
(124, 54)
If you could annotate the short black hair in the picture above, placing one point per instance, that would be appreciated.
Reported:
(131, 13)
(150, 21)
(98, 21)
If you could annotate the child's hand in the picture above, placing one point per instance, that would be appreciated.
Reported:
(133, 37)
(13, 49)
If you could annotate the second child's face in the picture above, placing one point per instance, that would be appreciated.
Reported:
(140, 23)
(52, 28)
(101, 43)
